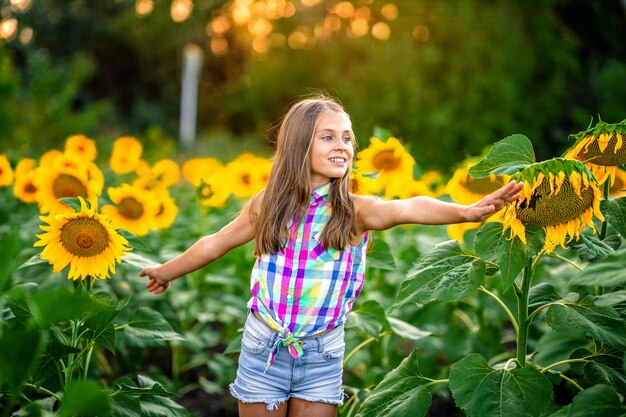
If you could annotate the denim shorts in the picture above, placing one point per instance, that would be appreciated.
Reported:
(315, 376)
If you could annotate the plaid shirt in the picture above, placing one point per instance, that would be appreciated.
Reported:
(306, 289)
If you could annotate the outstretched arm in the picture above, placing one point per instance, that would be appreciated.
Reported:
(206, 250)
(378, 214)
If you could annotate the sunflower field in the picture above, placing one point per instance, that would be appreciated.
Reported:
(522, 315)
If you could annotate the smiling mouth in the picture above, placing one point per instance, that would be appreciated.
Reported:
(337, 160)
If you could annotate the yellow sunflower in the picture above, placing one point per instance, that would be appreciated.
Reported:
(361, 184)
(81, 146)
(415, 188)
(393, 163)
(212, 192)
(457, 231)
(25, 188)
(25, 165)
(6, 172)
(126, 155)
(465, 189)
(434, 181)
(85, 240)
(167, 210)
(57, 181)
(50, 158)
(246, 175)
(618, 189)
(560, 195)
(197, 168)
(601, 148)
(166, 171)
(134, 209)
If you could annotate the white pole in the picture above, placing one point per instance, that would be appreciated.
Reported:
(192, 64)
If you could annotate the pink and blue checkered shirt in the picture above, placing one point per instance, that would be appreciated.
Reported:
(305, 289)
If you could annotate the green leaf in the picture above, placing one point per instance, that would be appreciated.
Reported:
(85, 398)
(8, 251)
(382, 133)
(48, 365)
(99, 328)
(73, 203)
(406, 330)
(511, 255)
(57, 304)
(381, 257)
(149, 326)
(369, 318)
(401, 393)
(135, 241)
(611, 298)
(33, 260)
(609, 271)
(592, 249)
(444, 273)
(599, 372)
(138, 261)
(483, 391)
(614, 212)
(506, 157)
(147, 386)
(598, 401)
(124, 405)
(584, 319)
(234, 346)
(158, 404)
(20, 350)
(541, 294)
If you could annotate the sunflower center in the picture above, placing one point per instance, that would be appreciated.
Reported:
(66, 185)
(245, 178)
(544, 209)
(481, 186)
(386, 161)
(130, 208)
(84, 236)
(592, 153)
(30, 188)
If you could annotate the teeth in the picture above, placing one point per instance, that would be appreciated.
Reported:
(337, 160)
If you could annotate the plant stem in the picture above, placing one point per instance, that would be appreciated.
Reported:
(522, 313)
(604, 226)
(504, 307)
(88, 359)
(42, 390)
(564, 259)
(363, 344)
(69, 369)
(564, 362)
(436, 382)
(571, 381)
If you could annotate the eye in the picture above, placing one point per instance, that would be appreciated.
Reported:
(327, 137)
(347, 139)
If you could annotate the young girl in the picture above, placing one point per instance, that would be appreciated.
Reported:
(310, 239)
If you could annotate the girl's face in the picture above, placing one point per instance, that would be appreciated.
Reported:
(331, 150)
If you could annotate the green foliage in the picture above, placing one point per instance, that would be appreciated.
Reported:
(507, 157)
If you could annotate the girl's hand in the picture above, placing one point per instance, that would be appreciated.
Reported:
(494, 202)
(156, 282)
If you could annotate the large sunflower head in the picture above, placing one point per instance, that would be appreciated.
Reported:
(58, 181)
(134, 209)
(197, 168)
(601, 148)
(126, 155)
(6, 172)
(82, 147)
(248, 174)
(361, 184)
(465, 189)
(560, 195)
(387, 157)
(85, 240)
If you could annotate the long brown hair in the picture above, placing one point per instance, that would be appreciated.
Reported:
(288, 191)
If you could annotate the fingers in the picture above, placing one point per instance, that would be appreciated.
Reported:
(156, 287)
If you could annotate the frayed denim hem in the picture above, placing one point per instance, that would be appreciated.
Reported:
(321, 400)
(271, 404)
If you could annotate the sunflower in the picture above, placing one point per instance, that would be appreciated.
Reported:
(85, 240)
(560, 195)
(126, 155)
(24, 166)
(465, 189)
(134, 209)
(166, 212)
(166, 171)
(457, 231)
(393, 163)
(6, 172)
(50, 158)
(197, 168)
(601, 148)
(361, 184)
(246, 174)
(415, 188)
(25, 188)
(57, 181)
(81, 146)
(212, 192)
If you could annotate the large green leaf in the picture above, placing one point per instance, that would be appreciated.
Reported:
(369, 318)
(584, 319)
(99, 328)
(158, 404)
(57, 304)
(149, 326)
(401, 393)
(592, 249)
(614, 212)
(8, 250)
(85, 398)
(381, 257)
(506, 157)
(406, 330)
(492, 244)
(484, 392)
(20, 351)
(598, 401)
(133, 240)
(444, 273)
(609, 271)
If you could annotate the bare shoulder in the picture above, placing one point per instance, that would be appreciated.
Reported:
(369, 211)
